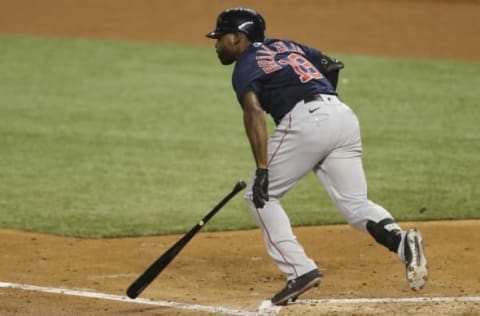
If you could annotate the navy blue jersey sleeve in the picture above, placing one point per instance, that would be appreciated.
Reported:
(245, 74)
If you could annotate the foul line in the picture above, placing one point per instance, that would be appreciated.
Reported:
(265, 308)
(424, 299)
(125, 299)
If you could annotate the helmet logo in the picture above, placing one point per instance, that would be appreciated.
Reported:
(244, 24)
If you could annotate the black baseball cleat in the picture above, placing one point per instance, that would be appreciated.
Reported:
(297, 286)
(415, 261)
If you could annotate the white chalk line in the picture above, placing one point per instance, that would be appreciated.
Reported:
(425, 299)
(125, 299)
(265, 308)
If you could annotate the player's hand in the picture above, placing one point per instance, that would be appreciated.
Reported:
(260, 188)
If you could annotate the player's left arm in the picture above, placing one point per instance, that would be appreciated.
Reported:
(329, 66)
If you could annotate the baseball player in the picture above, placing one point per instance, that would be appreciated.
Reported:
(315, 131)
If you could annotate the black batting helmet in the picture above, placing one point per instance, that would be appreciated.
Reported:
(243, 20)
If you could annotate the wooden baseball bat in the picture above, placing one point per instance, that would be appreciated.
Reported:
(157, 267)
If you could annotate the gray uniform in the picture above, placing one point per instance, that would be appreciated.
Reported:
(322, 136)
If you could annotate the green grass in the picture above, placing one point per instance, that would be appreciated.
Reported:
(421, 134)
(104, 138)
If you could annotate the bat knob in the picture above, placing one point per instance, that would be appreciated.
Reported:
(239, 186)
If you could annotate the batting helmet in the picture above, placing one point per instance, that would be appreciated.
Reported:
(243, 20)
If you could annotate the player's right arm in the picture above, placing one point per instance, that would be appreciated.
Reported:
(255, 128)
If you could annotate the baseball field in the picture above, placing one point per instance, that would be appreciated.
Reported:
(119, 130)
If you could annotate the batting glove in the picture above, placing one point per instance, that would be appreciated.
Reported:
(260, 188)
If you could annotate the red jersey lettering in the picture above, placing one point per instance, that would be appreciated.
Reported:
(302, 67)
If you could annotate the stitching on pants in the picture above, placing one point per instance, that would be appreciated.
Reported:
(275, 245)
(282, 140)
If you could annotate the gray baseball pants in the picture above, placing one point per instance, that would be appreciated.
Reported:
(322, 136)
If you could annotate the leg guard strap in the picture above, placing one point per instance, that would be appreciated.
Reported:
(385, 235)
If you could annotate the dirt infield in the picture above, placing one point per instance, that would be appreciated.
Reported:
(421, 28)
(232, 270)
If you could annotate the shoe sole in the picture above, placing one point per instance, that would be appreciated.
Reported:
(417, 269)
(293, 296)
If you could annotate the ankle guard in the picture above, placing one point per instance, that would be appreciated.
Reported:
(385, 234)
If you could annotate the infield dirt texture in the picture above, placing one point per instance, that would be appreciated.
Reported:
(232, 270)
